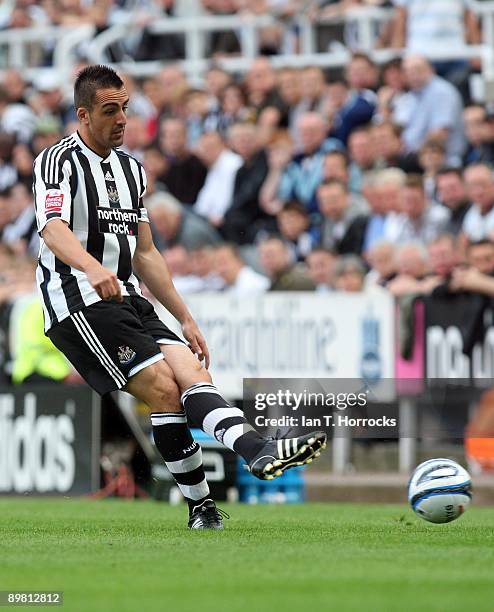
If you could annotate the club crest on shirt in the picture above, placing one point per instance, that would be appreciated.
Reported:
(113, 195)
(125, 354)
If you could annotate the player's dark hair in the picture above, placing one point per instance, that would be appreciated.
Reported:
(90, 80)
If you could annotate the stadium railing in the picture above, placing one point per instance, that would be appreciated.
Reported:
(67, 40)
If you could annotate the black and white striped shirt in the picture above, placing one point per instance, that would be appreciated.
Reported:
(101, 200)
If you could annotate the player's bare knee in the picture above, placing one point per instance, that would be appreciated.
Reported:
(167, 394)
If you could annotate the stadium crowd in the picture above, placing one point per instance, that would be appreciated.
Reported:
(288, 179)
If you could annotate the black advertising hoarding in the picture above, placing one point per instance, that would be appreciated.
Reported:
(49, 440)
(459, 341)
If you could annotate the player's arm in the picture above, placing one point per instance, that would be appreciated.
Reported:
(65, 246)
(151, 268)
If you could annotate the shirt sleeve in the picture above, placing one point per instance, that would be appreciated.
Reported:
(143, 213)
(51, 189)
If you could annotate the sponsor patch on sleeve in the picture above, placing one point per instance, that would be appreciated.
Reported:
(53, 202)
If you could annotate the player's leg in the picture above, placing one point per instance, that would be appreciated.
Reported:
(206, 407)
(110, 348)
(156, 387)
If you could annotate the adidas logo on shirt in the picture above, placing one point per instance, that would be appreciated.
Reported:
(109, 177)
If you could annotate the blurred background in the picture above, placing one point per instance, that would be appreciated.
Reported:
(320, 183)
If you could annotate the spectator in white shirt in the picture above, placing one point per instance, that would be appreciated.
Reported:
(239, 278)
(479, 220)
(215, 197)
(419, 219)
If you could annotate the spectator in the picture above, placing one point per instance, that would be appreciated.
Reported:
(435, 25)
(275, 259)
(411, 268)
(233, 109)
(263, 96)
(239, 278)
(216, 80)
(8, 173)
(21, 233)
(50, 99)
(386, 142)
(174, 224)
(388, 185)
(16, 119)
(432, 108)
(290, 89)
(348, 109)
(314, 89)
(480, 255)
(362, 156)
(303, 175)
(451, 192)
(156, 165)
(480, 147)
(478, 222)
(178, 262)
(48, 131)
(362, 76)
(136, 137)
(16, 86)
(335, 167)
(381, 260)
(443, 257)
(199, 115)
(295, 228)
(139, 104)
(244, 218)
(279, 153)
(419, 219)
(202, 266)
(172, 85)
(215, 198)
(320, 268)
(342, 225)
(380, 190)
(22, 159)
(431, 159)
(185, 173)
(349, 274)
(392, 90)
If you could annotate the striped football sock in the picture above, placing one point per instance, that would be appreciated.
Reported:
(182, 455)
(207, 409)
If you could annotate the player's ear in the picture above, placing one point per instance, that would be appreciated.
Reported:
(83, 115)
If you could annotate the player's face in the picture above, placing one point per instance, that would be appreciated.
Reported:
(105, 122)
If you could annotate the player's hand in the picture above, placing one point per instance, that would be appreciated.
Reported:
(196, 341)
(104, 282)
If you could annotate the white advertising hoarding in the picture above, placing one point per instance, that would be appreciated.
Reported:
(294, 335)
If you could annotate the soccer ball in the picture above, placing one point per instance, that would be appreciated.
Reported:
(439, 490)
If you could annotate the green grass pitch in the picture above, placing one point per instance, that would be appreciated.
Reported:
(139, 557)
